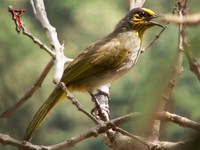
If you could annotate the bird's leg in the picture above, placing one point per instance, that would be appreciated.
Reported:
(101, 110)
(104, 100)
(96, 109)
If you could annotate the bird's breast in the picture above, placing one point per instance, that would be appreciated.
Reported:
(131, 41)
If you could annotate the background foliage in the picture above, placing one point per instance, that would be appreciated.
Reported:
(78, 24)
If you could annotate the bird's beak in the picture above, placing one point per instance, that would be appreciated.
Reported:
(157, 15)
(155, 23)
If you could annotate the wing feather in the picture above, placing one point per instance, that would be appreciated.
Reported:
(99, 56)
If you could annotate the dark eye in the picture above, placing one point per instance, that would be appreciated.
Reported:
(143, 14)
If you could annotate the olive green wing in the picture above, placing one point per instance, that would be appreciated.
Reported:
(100, 56)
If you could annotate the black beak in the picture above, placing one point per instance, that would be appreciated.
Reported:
(157, 15)
(155, 23)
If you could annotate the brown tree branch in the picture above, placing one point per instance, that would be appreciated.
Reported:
(154, 39)
(146, 144)
(193, 19)
(182, 121)
(36, 40)
(154, 133)
(104, 127)
(77, 104)
(60, 59)
(136, 3)
(94, 132)
(163, 116)
(7, 140)
(41, 78)
(194, 65)
(187, 144)
(26, 32)
(134, 137)
(41, 16)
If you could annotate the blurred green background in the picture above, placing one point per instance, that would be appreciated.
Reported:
(78, 24)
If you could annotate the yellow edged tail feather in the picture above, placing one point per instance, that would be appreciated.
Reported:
(56, 96)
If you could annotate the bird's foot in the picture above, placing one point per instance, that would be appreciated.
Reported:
(101, 110)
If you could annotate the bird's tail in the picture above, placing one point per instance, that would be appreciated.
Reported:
(55, 96)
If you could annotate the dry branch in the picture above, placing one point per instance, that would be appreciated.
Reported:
(103, 128)
(163, 116)
(154, 133)
(194, 67)
(136, 3)
(193, 19)
(154, 39)
(60, 59)
(77, 104)
(188, 20)
(182, 121)
(41, 78)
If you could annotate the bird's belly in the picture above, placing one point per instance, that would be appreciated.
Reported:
(94, 82)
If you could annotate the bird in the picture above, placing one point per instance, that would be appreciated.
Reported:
(102, 61)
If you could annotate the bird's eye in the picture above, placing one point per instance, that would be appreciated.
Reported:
(140, 15)
(144, 14)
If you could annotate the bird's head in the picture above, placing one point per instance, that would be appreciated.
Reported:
(138, 19)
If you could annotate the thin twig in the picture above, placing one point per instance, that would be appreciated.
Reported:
(193, 19)
(132, 4)
(8, 140)
(103, 128)
(187, 144)
(134, 137)
(29, 93)
(36, 40)
(194, 65)
(159, 34)
(32, 37)
(33, 7)
(93, 132)
(163, 116)
(60, 59)
(77, 104)
(136, 3)
(182, 121)
(154, 133)
(41, 78)
(156, 37)
(41, 15)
